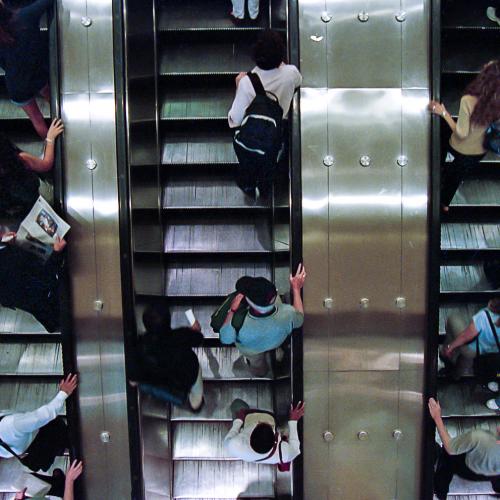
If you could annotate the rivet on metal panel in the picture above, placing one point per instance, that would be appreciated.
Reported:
(362, 435)
(316, 38)
(401, 302)
(363, 16)
(328, 436)
(365, 161)
(364, 303)
(98, 305)
(86, 21)
(328, 303)
(91, 164)
(105, 437)
(397, 433)
(328, 161)
(402, 160)
(401, 16)
(326, 17)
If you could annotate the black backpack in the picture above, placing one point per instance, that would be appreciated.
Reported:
(492, 137)
(260, 132)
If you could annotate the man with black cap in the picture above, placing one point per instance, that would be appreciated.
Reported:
(268, 322)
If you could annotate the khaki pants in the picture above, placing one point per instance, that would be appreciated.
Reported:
(258, 364)
(462, 358)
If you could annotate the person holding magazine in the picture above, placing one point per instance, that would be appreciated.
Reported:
(20, 184)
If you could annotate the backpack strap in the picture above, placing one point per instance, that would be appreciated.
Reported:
(273, 449)
(493, 329)
(3, 444)
(256, 83)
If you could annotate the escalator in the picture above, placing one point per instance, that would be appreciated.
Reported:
(194, 233)
(470, 232)
(31, 359)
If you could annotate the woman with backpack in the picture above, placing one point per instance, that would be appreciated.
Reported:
(20, 184)
(479, 108)
(24, 55)
(463, 341)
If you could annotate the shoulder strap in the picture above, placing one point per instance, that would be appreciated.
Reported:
(3, 444)
(273, 449)
(257, 83)
(493, 329)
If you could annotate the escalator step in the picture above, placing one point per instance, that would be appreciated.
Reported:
(18, 321)
(200, 441)
(32, 359)
(209, 279)
(21, 396)
(478, 192)
(9, 111)
(468, 15)
(466, 311)
(459, 486)
(213, 15)
(220, 395)
(466, 398)
(196, 104)
(197, 149)
(219, 58)
(156, 476)
(226, 479)
(470, 236)
(457, 278)
(218, 235)
(223, 363)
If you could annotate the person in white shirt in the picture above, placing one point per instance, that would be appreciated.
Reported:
(38, 436)
(254, 438)
(279, 80)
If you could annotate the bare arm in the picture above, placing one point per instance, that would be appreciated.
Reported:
(41, 165)
(435, 411)
(297, 282)
(72, 474)
(470, 333)
(439, 109)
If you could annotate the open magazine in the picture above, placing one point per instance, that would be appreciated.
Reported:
(37, 232)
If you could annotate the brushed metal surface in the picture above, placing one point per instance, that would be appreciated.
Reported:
(364, 54)
(195, 441)
(315, 210)
(21, 396)
(365, 203)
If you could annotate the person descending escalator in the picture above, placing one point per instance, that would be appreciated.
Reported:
(37, 437)
(29, 283)
(168, 368)
(479, 108)
(254, 436)
(265, 321)
(262, 100)
(24, 55)
(237, 15)
(472, 455)
(20, 184)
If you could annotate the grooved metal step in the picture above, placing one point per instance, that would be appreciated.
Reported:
(218, 58)
(465, 311)
(222, 479)
(19, 321)
(220, 395)
(470, 236)
(200, 441)
(9, 111)
(209, 279)
(20, 396)
(478, 192)
(31, 359)
(196, 149)
(465, 399)
(463, 278)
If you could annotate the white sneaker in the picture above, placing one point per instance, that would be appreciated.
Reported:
(491, 15)
(493, 386)
(492, 404)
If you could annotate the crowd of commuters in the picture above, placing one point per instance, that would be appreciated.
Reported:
(167, 366)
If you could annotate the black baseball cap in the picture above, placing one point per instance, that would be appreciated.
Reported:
(259, 290)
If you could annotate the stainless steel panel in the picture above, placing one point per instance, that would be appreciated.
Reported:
(363, 402)
(364, 54)
(156, 475)
(315, 210)
(415, 44)
(222, 479)
(365, 203)
(155, 437)
(315, 449)
(313, 45)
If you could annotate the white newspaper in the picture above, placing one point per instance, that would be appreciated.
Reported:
(38, 231)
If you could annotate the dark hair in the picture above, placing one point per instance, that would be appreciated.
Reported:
(269, 51)
(156, 319)
(6, 32)
(10, 162)
(494, 306)
(262, 438)
(486, 87)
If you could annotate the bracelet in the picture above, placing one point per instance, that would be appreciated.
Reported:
(443, 114)
(49, 141)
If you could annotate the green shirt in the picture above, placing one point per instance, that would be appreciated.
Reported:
(482, 451)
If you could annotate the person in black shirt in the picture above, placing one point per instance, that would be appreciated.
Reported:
(168, 368)
(24, 55)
